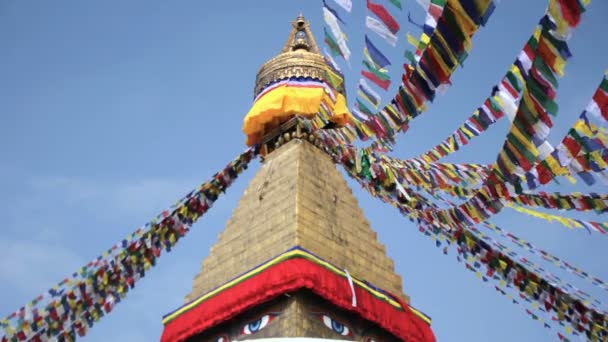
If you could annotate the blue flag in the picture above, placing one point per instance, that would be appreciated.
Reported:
(375, 54)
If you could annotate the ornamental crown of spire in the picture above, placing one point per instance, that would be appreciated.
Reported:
(300, 57)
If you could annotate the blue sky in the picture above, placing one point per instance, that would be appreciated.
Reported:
(112, 110)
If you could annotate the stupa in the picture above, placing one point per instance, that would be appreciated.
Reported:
(298, 259)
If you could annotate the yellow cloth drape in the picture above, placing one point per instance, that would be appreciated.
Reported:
(285, 101)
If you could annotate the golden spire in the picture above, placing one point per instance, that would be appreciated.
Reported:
(300, 57)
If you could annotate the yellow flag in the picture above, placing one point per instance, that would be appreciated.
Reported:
(412, 40)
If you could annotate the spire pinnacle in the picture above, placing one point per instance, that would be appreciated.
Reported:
(300, 37)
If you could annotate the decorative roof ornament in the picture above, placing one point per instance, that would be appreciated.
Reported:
(300, 57)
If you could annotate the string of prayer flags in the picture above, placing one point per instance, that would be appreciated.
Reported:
(504, 100)
(474, 264)
(532, 287)
(571, 223)
(420, 81)
(526, 141)
(375, 63)
(569, 310)
(66, 311)
(583, 149)
(556, 281)
(547, 256)
(573, 201)
(448, 47)
(481, 206)
(434, 9)
(544, 274)
(532, 249)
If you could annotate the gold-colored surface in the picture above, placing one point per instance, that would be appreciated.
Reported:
(299, 58)
(298, 198)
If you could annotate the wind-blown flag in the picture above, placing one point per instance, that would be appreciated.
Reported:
(359, 115)
(376, 55)
(331, 60)
(333, 11)
(366, 91)
(409, 55)
(331, 43)
(381, 12)
(339, 36)
(347, 5)
(362, 107)
(377, 78)
(380, 29)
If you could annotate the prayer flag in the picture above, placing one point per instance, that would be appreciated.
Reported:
(381, 12)
(339, 36)
(384, 84)
(376, 55)
(380, 29)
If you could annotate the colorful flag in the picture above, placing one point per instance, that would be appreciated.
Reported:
(376, 55)
(372, 96)
(339, 36)
(331, 43)
(382, 83)
(383, 14)
(380, 29)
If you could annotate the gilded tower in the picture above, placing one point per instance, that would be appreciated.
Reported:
(298, 258)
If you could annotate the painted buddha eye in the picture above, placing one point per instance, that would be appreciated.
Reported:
(222, 339)
(257, 325)
(336, 326)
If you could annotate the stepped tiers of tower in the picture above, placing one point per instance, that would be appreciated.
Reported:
(298, 198)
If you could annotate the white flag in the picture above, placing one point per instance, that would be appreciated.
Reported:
(332, 22)
(507, 104)
(544, 150)
(381, 29)
(331, 60)
(366, 87)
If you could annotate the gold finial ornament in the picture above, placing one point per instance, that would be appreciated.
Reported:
(300, 57)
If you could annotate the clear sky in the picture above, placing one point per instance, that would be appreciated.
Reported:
(112, 110)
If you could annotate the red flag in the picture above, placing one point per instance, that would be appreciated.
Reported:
(383, 14)
(601, 98)
(384, 84)
(571, 11)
